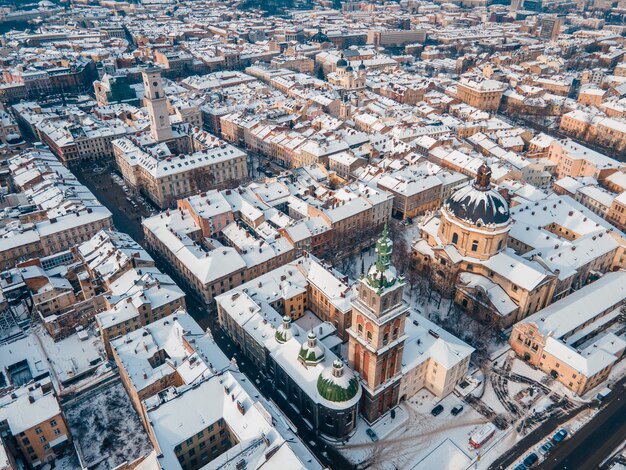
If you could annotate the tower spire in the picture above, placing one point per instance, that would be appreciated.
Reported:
(381, 274)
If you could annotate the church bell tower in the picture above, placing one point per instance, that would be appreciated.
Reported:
(377, 335)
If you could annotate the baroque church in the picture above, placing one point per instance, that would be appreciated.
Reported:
(463, 250)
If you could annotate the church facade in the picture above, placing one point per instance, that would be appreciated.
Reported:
(463, 249)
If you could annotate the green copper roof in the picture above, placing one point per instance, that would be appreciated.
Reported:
(381, 274)
(336, 392)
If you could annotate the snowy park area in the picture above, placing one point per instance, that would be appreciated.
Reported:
(106, 429)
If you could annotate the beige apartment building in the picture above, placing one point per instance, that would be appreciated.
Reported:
(48, 236)
(137, 299)
(617, 212)
(207, 270)
(164, 177)
(485, 94)
(159, 355)
(33, 416)
(413, 196)
(573, 159)
(568, 340)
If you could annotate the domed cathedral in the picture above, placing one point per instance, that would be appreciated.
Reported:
(346, 77)
(376, 335)
(463, 250)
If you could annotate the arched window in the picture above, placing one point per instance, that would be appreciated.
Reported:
(360, 328)
(395, 333)
(369, 336)
(499, 244)
(475, 245)
(455, 238)
(385, 339)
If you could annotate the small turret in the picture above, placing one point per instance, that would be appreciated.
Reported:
(284, 332)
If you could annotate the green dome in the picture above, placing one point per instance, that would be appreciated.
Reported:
(335, 385)
(311, 352)
(283, 332)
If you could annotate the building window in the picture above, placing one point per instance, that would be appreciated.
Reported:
(455, 238)
(499, 244)
(369, 336)
(475, 245)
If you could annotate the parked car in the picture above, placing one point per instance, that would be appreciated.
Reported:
(372, 435)
(559, 436)
(520, 467)
(437, 410)
(456, 410)
(546, 448)
(531, 460)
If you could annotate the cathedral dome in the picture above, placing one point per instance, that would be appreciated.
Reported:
(337, 384)
(478, 203)
(312, 351)
(284, 332)
(361, 66)
(342, 62)
(319, 37)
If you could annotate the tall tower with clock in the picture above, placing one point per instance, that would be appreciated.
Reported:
(160, 126)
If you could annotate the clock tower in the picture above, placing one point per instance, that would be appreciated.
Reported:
(156, 101)
(376, 335)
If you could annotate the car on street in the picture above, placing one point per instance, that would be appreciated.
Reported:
(437, 410)
(559, 436)
(520, 467)
(372, 435)
(546, 448)
(456, 410)
(531, 460)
